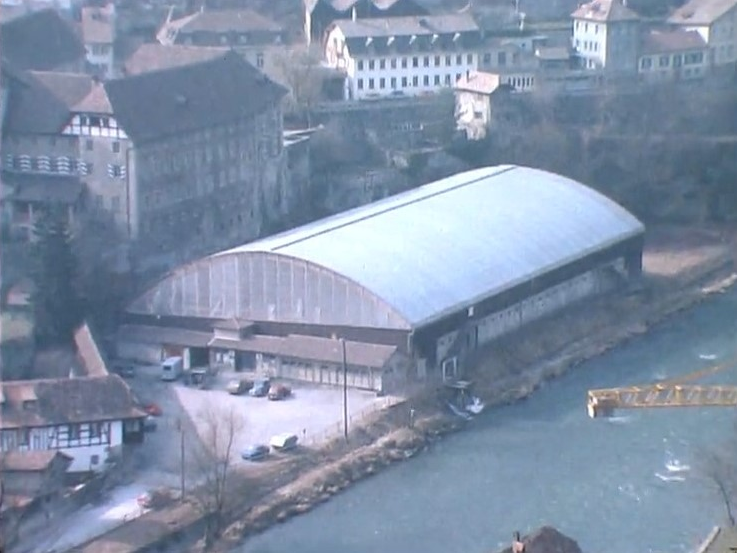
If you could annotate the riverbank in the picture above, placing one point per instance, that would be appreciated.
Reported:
(679, 274)
(673, 281)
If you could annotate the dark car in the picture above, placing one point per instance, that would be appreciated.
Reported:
(126, 370)
(238, 387)
(260, 388)
(255, 452)
(279, 391)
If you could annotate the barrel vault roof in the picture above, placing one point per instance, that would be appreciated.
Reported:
(426, 253)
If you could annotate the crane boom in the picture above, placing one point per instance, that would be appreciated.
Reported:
(666, 393)
(603, 402)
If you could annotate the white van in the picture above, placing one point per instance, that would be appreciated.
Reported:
(283, 442)
(171, 368)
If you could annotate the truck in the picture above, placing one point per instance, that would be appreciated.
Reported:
(171, 368)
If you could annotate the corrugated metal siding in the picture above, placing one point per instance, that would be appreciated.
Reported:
(407, 260)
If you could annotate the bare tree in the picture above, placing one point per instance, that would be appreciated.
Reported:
(719, 468)
(300, 71)
(211, 465)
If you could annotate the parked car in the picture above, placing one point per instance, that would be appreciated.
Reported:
(238, 387)
(260, 388)
(279, 391)
(149, 423)
(152, 409)
(255, 452)
(126, 370)
(284, 442)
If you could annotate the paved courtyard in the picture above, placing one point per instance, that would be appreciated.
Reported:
(313, 413)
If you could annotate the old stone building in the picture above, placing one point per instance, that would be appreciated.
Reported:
(260, 40)
(187, 159)
(39, 164)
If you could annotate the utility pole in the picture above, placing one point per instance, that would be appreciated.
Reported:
(181, 456)
(345, 390)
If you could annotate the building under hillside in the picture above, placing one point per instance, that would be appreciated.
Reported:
(411, 282)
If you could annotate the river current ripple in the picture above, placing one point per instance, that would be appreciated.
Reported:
(630, 484)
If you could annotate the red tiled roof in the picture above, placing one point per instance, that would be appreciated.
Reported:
(30, 461)
(661, 42)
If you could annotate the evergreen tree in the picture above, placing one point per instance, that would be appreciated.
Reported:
(57, 307)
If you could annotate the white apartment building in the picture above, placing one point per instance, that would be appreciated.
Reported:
(87, 418)
(399, 56)
(716, 22)
(98, 34)
(606, 36)
(673, 55)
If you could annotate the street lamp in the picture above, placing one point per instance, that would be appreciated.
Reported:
(345, 390)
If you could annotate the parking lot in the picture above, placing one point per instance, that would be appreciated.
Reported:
(313, 413)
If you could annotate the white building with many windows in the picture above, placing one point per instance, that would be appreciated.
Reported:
(716, 22)
(402, 55)
(606, 35)
(673, 56)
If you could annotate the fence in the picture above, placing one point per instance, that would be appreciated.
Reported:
(358, 418)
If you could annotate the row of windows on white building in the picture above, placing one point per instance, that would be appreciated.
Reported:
(380, 83)
(694, 58)
(57, 165)
(427, 61)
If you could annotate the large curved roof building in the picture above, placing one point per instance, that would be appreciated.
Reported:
(424, 263)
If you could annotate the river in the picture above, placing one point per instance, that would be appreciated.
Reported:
(609, 484)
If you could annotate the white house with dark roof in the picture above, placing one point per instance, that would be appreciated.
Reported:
(606, 36)
(87, 417)
(399, 56)
(716, 22)
(673, 55)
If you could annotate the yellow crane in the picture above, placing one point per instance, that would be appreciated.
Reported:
(667, 393)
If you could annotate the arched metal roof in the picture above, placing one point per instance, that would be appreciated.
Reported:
(407, 260)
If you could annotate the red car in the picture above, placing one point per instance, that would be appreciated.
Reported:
(152, 409)
(279, 391)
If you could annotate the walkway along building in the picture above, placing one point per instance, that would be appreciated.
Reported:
(412, 281)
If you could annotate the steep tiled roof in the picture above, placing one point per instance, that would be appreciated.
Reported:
(185, 98)
(31, 403)
(605, 11)
(407, 26)
(96, 101)
(660, 42)
(98, 24)
(478, 81)
(155, 57)
(89, 352)
(40, 40)
(701, 12)
(31, 461)
(226, 21)
(40, 102)
(415, 33)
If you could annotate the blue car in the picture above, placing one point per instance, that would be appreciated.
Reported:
(260, 388)
(255, 452)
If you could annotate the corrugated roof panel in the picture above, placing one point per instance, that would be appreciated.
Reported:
(438, 248)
